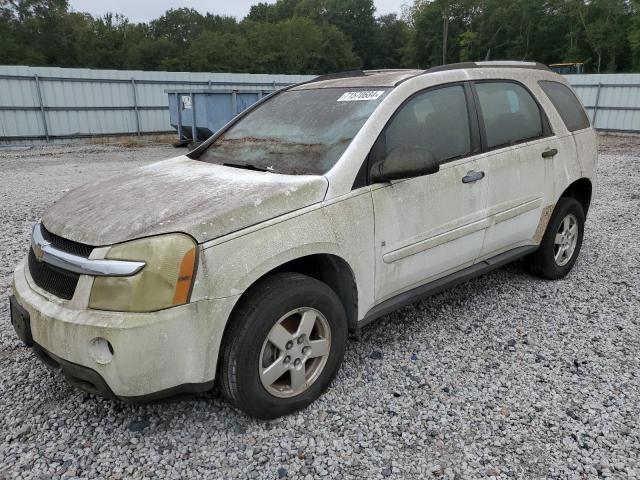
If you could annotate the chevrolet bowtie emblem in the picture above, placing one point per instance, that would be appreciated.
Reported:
(38, 252)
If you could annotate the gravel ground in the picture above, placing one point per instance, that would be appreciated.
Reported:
(506, 376)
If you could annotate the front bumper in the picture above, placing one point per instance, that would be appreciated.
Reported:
(154, 354)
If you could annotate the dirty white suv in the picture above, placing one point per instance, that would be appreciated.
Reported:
(324, 206)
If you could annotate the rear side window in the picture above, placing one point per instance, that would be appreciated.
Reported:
(567, 105)
(510, 113)
(436, 120)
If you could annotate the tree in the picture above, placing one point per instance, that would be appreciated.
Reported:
(178, 25)
(437, 26)
(45, 29)
(469, 46)
(391, 39)
(603, 22)
(319, 36)
(634, 33)
(355, 18)
(273, 12)
(13, 50)
(297, 45)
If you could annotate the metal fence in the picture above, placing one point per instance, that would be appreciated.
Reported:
(612, 100)
(57, 104)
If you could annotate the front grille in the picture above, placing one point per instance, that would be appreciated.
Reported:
(65, 245)
(57, 281)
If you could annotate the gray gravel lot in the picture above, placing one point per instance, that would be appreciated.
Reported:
(506, 376)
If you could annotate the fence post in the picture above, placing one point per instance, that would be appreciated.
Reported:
(135, 104)
(179, 106)
(234, 102)
(42, 112)
(194, 130)
(595, 107)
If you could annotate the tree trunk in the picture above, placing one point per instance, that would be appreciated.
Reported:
(445, 35)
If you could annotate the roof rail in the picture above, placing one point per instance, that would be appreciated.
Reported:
(352, 74)
(334, 76)
(387, 70)
(512, 64)
(489, 64)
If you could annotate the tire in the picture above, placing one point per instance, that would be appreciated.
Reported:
(544, 262)
(282, 300)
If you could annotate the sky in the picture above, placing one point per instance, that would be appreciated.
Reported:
(145, 10)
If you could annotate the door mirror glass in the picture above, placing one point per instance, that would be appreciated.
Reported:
(404, 162)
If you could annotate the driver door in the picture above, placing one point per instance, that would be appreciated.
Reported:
(429, 226)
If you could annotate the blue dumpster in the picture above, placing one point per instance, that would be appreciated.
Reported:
(197, 114)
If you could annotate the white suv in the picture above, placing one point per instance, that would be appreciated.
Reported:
(322, 207)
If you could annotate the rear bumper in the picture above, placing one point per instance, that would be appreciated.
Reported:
(152, 354)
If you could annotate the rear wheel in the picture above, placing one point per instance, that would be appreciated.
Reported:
(284, 346)
(561, 243)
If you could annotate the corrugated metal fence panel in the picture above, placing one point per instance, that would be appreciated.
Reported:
(73, 102)
(612, 100)
(76, 102)
(18, 93)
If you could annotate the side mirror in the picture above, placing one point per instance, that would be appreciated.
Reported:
(404, 162)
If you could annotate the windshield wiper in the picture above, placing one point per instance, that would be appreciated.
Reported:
(248, 166)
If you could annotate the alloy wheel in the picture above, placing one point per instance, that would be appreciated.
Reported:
(566, 240)
(295, 352)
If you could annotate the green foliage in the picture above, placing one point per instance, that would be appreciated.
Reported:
(634, 34)
(597, 32)
(469, 46)
(319, 36)
(391, 40)
(296, 45)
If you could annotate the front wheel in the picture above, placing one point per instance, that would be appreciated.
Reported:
(284, 345)
(561, 243)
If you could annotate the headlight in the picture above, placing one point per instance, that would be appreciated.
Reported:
(165, 280)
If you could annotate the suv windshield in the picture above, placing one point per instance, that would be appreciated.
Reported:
(297, 131)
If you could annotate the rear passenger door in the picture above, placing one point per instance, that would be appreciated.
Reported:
(518, 146)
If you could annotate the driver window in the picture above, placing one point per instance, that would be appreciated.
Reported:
(436, 120)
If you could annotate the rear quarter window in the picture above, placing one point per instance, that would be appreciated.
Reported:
(567, 105)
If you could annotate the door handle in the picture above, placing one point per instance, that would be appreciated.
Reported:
(472, 177)
(550, 153)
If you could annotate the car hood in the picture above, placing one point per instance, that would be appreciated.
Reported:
(178, 195)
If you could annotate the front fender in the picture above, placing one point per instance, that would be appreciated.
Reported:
(270, 264)
(343, 229)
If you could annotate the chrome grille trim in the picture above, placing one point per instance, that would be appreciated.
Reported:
(46, 252)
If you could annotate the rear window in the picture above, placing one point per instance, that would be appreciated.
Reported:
(510, 113)
(567, 105)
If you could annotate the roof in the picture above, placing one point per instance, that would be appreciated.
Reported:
(391, 78)
(360, 78)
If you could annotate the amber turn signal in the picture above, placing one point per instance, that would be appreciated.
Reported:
(185, 277)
